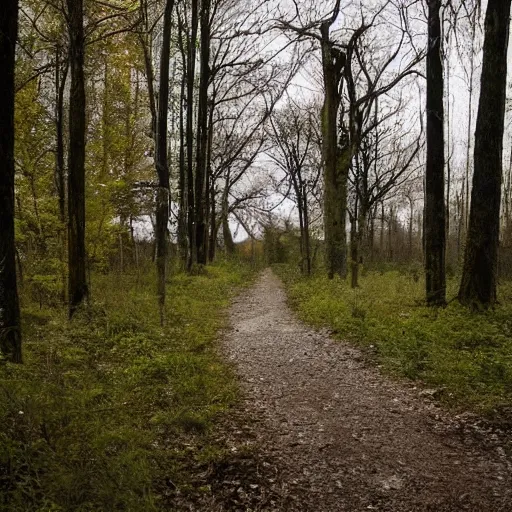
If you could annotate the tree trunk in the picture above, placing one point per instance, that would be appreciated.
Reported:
(354, 253)
(470, 116)
(210, 188)
(435, 224)
(105, 123)
(449, 149)
(371, 235)
(212, 245)
(302, 246)
(381, 235)
(77, 285)
(229, 244)
(147, 45)
(460, 227)
(161, 163)
(334, 194)
(391, 222)
(307, 238)
(228, 237)
(191, 66)
(10, 333)
(182, 185)
(201, 181)
(362, 246)
(61, 73)
(411, 227)
(479, 277)
(507, 198)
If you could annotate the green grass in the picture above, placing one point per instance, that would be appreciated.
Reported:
(466, 356)
(113, 412)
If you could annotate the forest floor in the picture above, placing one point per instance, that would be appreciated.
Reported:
(319, 429)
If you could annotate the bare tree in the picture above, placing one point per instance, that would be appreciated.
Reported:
(385, 161)
(352, 83)
(295, 135)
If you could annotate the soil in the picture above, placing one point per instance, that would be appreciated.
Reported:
(319, 429)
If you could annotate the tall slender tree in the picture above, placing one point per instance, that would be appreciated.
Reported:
(479, 277)
(435, 224)
(10, 334)
(78, 289)
(189, 139)
(161, 163)
(201, 181)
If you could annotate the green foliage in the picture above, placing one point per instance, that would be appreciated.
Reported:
(281, 244)
(102, 412)
(467, 356)
(117, 144)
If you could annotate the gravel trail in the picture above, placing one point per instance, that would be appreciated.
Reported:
(344, 437)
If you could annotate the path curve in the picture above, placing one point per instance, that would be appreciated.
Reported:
(345, 437)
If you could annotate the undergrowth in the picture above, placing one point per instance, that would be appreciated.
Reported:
(465, 356)
(109, 412)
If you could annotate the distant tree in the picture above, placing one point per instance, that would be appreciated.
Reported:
(294, 132)
(354, 77)
(385, 161)
(335, 173)
(10, 334)
(479, 277)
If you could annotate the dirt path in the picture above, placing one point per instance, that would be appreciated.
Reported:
(344, 437)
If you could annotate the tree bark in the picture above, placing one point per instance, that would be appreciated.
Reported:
(201, 180)
(470, 117)
(381, 234)
(307, 237)
(212, 244)
(479, 277)
(146, 44)
(161, 163)
(77, 285)
(302, 245)
(191, 66)
(228, 237)
(411, 227)
(435, 224)
(210, 187)
(182, 213)
(229, 244)
(334, 195)
(354, 253)
(10, 333)
(61, 73)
